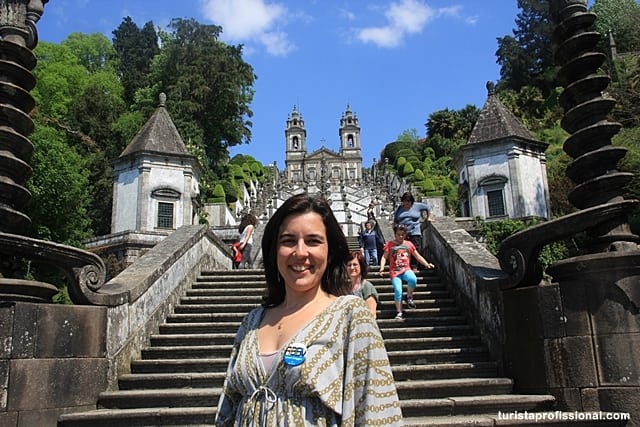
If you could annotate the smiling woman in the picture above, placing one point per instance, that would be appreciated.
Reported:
(294, 357)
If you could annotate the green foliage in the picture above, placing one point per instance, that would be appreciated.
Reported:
(630, 138)
(218, 194)
(60, 77)
(236, 172)
(419, 175)
(626, 90)
(136, 47)
(450, 125)
(621, 17)
(94, 51)
(400, 162)
(62, 297)
(427, 185)
(527, 57)
(391, 150)
(407, 169)
(60, 190)
(230, 191)
(208, 86)
(495, 232)
(408, 135)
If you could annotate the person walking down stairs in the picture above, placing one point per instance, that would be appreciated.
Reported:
(358, 268)
(368, 241)
(246, 228)
(399, 252)
(311, 354)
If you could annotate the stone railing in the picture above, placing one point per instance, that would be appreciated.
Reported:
(94, 342)
(142, 296)
(474, 275)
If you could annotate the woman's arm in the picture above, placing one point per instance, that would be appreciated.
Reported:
(247, 236)
(373, 305)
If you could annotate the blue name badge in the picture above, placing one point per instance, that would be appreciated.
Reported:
(295, 354)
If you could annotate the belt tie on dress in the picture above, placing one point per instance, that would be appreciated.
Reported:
(263, 399)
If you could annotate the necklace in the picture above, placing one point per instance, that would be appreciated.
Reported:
(291, 313)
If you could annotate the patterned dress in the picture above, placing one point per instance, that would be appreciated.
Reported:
(345, 379)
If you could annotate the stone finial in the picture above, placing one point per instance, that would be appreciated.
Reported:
(491, 88)
(18, 21)
(163, 99)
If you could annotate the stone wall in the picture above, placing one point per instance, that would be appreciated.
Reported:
(474, 277)
(52, 361)
(56, 359)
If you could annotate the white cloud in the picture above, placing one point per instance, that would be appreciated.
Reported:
(410, 16)
(250, 20)
(346, 14)
(403, 17)
(276, 43)
(382, 36)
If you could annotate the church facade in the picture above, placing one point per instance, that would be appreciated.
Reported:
(323, 166)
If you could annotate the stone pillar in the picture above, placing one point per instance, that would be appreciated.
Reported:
(144, 200)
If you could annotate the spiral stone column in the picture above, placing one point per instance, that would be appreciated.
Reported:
(85, 271)
(18, 36)
(597, 344)
(594, 166)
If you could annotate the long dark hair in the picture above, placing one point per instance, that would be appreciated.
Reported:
(335, 280)
(246, 220)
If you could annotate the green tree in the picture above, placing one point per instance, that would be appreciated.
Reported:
(526, 58)
(136, 47)
(60, 190)
(621, 18)
(93, 50)
(209, 88)
(392, 149)
(60, 77)
(218, 194)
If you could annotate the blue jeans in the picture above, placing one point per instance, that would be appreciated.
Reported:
(371, 256)
(409, 277)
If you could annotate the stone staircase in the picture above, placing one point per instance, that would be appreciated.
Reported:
(443, 373)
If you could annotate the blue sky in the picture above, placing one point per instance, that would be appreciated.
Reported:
(393, 62)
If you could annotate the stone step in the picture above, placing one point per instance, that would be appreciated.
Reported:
(412, 320)
(205, 317)
(230, 286)
(186, 327)
(230, 300)
(167, 416)
(554, 419)
(164, 340)
(238, 309)
(154, 398)
(171, 380)
(176, 365)
(389, 332)
(445, 370)
(465, 405)
(434, 342)
(439, 355)
(186, 352)
(429, 389)
(444, 374)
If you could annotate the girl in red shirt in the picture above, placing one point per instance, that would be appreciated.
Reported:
(399, 252)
